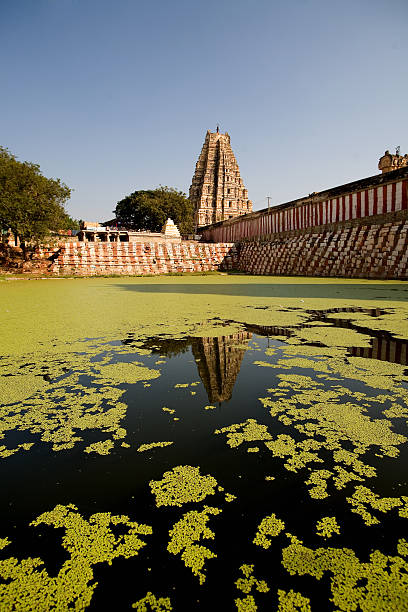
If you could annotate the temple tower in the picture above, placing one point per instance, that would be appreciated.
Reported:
(217, 190)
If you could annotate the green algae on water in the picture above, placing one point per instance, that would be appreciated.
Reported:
(270, 526)
(128, 373)
(247, 585)
(292, 601)
(27, 584)
(327, 526)
(185, 534)
(146, 447)
(181, 485)
(101, 448)
(381, 583)
(151, 603)
(249, 431)
(169, 410)
(363, 498)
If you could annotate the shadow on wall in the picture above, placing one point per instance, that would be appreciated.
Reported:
(354, 291)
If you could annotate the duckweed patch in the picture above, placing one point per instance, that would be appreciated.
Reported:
(248, 584)
(249, 431)
(28, 585)
(58, 416)
(149, 446)
(151, 603)
(128, 373)
(270, 526)
(363, 498)
(378, 584)
(291, 601)
(181, 485)
(185, 534)
(327, 526)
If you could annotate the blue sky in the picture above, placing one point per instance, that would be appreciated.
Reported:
(114, 96)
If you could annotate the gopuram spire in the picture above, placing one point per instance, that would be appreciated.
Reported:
(217, 190)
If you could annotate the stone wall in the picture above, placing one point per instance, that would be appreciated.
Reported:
(87, 258)
(360, 251)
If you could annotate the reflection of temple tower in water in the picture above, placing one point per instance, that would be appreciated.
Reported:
(219, 361)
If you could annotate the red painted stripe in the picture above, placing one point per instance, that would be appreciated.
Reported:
(404, 195)
(364, 203)
(358, 207)
(384, 198)
(393, 196)
(375, 202)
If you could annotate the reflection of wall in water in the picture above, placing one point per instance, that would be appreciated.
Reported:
(218, 362)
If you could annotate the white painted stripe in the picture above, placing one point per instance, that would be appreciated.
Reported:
(398, 196)
(389, 198)
(370, 201)
(334, 210)
(379, 200)
(363, 203)
(354, 206)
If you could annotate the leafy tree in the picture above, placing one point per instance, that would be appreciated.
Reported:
(31, 205)
(149, 210)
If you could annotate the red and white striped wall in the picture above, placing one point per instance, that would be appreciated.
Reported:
(355, 205)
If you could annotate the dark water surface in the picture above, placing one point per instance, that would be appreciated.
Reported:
(118, 483)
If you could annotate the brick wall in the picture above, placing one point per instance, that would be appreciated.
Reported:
(87, 258)
(361, 251)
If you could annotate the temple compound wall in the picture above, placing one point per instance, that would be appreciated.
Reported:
(358, 230)
(140, 258)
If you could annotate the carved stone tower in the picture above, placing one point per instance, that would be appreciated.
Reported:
(217, 190)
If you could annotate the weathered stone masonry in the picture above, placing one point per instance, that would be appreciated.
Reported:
(364, 251)
(85, 259)
(359, 230)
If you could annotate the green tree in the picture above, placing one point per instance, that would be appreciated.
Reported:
(149, 210)
(31, 205)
